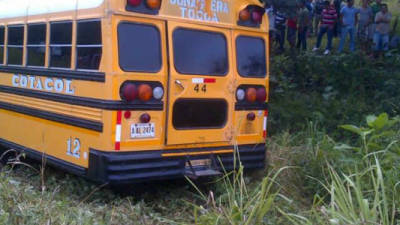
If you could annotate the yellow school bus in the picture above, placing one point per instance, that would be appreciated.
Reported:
(126, 91)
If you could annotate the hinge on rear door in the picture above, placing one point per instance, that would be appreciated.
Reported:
(232, 85)
(229, 133)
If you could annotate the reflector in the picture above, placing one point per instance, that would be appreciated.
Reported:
(127, 114)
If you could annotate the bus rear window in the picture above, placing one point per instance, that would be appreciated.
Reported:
(200, 52)
(251, 60)
(139, 47)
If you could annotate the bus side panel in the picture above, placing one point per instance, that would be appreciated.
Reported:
(65, 142)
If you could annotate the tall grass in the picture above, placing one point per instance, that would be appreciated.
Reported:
(239, 203)
(351, 202)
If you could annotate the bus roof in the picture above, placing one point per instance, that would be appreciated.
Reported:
(22, 8)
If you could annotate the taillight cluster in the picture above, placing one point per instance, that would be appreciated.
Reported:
(144, 6)
(132, 91)
(251, 94)
(251, 16)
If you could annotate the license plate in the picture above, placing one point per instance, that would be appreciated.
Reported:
(142, 130)
(199, 162)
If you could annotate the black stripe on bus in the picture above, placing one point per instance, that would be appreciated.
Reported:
(252, 106)
(70, 120)
(39, 156)
(67, 74)
(83, 101)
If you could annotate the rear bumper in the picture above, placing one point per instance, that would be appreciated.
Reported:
(135, 167)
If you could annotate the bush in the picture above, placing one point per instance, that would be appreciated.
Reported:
(331, 90)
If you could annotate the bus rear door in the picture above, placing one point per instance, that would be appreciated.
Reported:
(201, 85)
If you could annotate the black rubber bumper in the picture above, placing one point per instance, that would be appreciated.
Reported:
(136, 167)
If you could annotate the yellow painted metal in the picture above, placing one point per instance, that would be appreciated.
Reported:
(51, 137)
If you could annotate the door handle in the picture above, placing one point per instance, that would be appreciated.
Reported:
(179, 83)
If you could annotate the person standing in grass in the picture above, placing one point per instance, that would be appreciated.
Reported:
(348, 18)
(365, 19)
(280, 26)
(382, 29)
(318, 7)
(329, 18)
(376, 7)
(291, 31)
(303, 20)
(337, 4)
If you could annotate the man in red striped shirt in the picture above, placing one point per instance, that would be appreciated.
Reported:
(329, 18)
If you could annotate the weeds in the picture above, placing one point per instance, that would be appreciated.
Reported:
(240, 204)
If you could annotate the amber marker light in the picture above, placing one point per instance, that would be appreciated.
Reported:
(251, 94)
(145, 92)
(153, 4)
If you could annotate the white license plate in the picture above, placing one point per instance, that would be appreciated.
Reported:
(142, 130)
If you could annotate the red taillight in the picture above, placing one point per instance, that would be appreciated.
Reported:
(256, 16)
(244, 15)
(251, 116)
(129, 92)
(261, 94)
(251, 94)
(145, 92)
(145, 118)
(134, 2)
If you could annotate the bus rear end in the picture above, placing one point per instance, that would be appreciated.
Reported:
(195, 74)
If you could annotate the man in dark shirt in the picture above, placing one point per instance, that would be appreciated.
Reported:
(280, 26)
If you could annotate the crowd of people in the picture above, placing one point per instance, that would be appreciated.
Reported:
(366, 26)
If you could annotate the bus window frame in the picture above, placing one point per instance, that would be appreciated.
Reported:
(15, 46)
(237, 56)
(160, 46)
(36, 45)
(2, 61)
(77, 46)
(50, 45)
(228, 66)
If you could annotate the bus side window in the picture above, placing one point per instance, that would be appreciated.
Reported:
(89, 45)
(36, 45)
(15, 45)
(2, 44)
(60, 44)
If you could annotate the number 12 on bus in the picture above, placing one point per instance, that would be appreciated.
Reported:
(126, 91)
